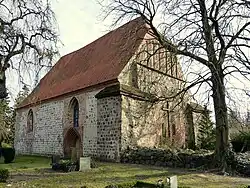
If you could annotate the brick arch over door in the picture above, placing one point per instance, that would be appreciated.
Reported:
(72, 139)
(73, 131)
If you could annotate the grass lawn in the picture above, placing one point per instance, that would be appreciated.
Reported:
(29, 171)
(26, 163)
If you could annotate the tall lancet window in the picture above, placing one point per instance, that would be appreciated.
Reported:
(75, 113)
(30, 121)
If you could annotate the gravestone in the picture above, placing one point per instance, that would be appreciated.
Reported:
(84, 163)
(172, 181)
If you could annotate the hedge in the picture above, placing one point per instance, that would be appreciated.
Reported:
(4, 174)
(8, 154)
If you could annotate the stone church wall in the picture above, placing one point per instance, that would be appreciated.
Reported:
(141, 123)
(147, 123)
(90, 125)
(109, 128)
(46, 137)
(87, 120)
(99, 126)
(51, 119)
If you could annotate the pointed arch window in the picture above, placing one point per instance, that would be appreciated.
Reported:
(30, 121)
(75, 113)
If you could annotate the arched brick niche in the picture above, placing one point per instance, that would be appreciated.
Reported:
(73, 131)
(72, 139)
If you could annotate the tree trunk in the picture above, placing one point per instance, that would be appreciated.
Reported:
(1, 148)
(220, 108)
(3, 90)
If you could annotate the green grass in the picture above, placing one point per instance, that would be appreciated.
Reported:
(27, 171)
(27, 163)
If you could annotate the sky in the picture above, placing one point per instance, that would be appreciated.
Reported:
(79, 22)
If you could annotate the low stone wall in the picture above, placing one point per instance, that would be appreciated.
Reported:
(167, 158)
(239, 162)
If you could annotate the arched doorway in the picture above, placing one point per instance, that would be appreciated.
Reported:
(72, 142)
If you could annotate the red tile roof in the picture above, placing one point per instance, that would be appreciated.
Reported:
(98, 62)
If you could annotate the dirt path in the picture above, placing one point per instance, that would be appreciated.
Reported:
(26, 176)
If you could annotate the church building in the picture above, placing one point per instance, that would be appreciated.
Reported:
(105, 97)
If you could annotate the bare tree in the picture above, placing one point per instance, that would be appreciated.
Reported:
(28, 37)
(213, 34)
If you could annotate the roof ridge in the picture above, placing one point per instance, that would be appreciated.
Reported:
(105, 35)
(97, 62)
(108, 33)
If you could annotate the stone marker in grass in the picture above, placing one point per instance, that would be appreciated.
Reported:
(172, 181)
(84, 163)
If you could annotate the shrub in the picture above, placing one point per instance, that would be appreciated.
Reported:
(4, 174)
(241, 141)
(207, 135)
(65, 165)
(5, 145)
(137, 184)
(8, 154)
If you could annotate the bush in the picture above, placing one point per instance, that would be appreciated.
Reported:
(207, 135)
(241, 141)
(65, 165)
(4, 174)
(5, 145)
(8, 154)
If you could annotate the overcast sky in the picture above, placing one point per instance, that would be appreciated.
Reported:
(79, 23)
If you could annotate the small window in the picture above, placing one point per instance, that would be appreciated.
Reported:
(30, 121)
(76, 113)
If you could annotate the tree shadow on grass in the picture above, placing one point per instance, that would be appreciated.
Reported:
(136, 177)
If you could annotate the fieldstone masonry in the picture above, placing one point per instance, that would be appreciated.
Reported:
(90, 125)
(46, 137)
(109, 128)
(108, 124)
(99, 126)
(51, 122)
